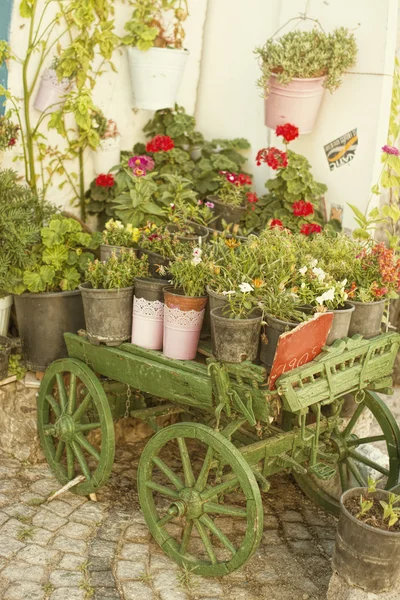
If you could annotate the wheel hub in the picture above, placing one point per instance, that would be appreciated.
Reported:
(339, 446)
(65, 428)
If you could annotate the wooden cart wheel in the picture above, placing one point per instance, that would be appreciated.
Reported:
(200, 499)
(71, 404)
(351, 463)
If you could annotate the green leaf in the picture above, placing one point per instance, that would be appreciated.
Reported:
(55, 232)
(84, 259)
(70, 279)
(56, 256)
(375, 190)
(358, 213)
(25, 9)
(39, 280)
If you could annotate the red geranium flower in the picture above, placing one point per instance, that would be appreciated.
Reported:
(276, 159)
(276, 223)
(302, 208)
(309, 228)
(244, 179)
(288, 132)
(12, 142)
(251, 197)
(105, 181)
(160, 143)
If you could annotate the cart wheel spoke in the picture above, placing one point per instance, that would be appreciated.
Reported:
(206, 541)
(82, 441)
(354, 470)
(70, 463)
(87, 426)
(369, 463)
(186, 463)
(187, 532)
(343, 477)
(82, 408)
(54, 405)
(177, 481)
(365, 440)
(162, 489)
(209, 523)
(224, 509)
(351, 424)
(222, 488)
(59, 451)
(205, 469)
(81, 460)
(61, 391)
(72, 394)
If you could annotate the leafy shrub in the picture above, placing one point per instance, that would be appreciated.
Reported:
(119, 271)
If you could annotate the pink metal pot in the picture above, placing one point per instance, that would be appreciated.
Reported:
(183, 319)
(297, 103)
(148, 313)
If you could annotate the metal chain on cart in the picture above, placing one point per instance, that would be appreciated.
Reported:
(128, 401)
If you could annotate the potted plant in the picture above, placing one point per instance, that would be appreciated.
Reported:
(52, 92)
(185, 304)
(108, 154)
(367, 547)
(178, 193)
(5, 350)
(117, 236)
(161, 247)
(46, 295)
(108, 296)
(297, 67)
(99, 199)
(148, 312)
(8, 134)
(22, 214)
(155, 52)
(232, 199)
(235, 328)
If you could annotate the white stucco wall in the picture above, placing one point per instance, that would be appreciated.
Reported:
(219, 85)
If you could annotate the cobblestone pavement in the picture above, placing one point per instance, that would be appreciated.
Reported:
(74, 549)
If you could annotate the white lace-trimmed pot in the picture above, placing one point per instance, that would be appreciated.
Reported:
(298, 102)
(155, 76)
(148, 312)
(5, 312)
(183, 318)
(107, 155)
(51, 95)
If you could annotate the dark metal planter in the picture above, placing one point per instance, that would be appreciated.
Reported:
(235, 340)
(273, 330)
(108, 314)
(340, 323)
(155, 262)
(198, 231)
(5, 349)
(43, 319)
(365, 556)
(367, 318)
(225, 212)
(106, 251)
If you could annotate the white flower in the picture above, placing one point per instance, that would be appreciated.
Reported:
(196, 260)
(345, 296)
(343, 283)
(320, 273)
(95, 124)
(197, 252)
(245, 287)
(303, 270)
(228, 293)
(109, 224)
(119, 225)
(313, 262)
(303, 285)
(328, 295)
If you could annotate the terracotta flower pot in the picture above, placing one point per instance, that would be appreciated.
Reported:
(183, 319)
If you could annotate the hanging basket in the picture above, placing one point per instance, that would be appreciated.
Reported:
(52, 93)
(107, 155)
(155, 76)
(298, 103)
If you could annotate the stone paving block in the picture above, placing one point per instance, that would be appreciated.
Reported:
(134, 551)
(5, 500)
(327, 546)
(71, 562)
(40, 536)
(271, 537)
(266, 575)
(324, 533)
(138, 532)
(100, 563)
(161, 562)
(75, 500)
(340, 590)
(17, 510)
(68, 593)
(9, 545)
(302, 547)
(61, 578)
(36, 555)
(206, 586)
(76, 531)
(88, 514)
(27, 497)
(10, 486)
(291, 516)
(48, 520)
(60, 508)
(24, 591)
(130, 570)
(168, 586)
(136, 590)
(70, 546)
(110, 532)
(11, 528)
(102, 549)
(103, 579)
(45, 487)
(296, 531)
(19, 571)
(106, 594)
(3, 518)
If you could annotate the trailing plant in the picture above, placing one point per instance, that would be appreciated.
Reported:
(8, 133)
(59, 260)
(147, 26)
(176, 124)
(22, 215)
(307, 54)
(118, 272)
(118, 234)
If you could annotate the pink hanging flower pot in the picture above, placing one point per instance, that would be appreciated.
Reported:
(52, 93)
(148, 313)
(183, 319)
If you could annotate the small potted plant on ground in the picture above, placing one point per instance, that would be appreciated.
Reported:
(108, 154)
(185, 304)
(108, 296)
(116, 236)
(235, 328)
(367, 548)
(53, 91)
(232, 199)
(297, 67)
(47, 299)
(156, 56)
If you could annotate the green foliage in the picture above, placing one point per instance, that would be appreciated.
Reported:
(59, 260)
(135, 199)
(117, 234)
(145, 28)
(161, 241)
(391, 513)
(118, 272)
(8, 133)
(190, 275)
(15, 367)
(307, 54)
(177, 125)
(4, 51)
(22, 214)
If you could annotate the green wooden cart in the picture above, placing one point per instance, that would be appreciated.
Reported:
(200, 481)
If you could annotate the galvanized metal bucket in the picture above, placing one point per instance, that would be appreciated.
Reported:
(235, 340)
(367, 318)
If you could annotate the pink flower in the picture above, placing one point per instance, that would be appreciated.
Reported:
(139, 172)
(199, 202)
(210, 204)
(391, 150)
(145, 162)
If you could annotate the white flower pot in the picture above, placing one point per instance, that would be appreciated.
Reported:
(107, 155)
(5, 312)
(155, 76)
(51, 95)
